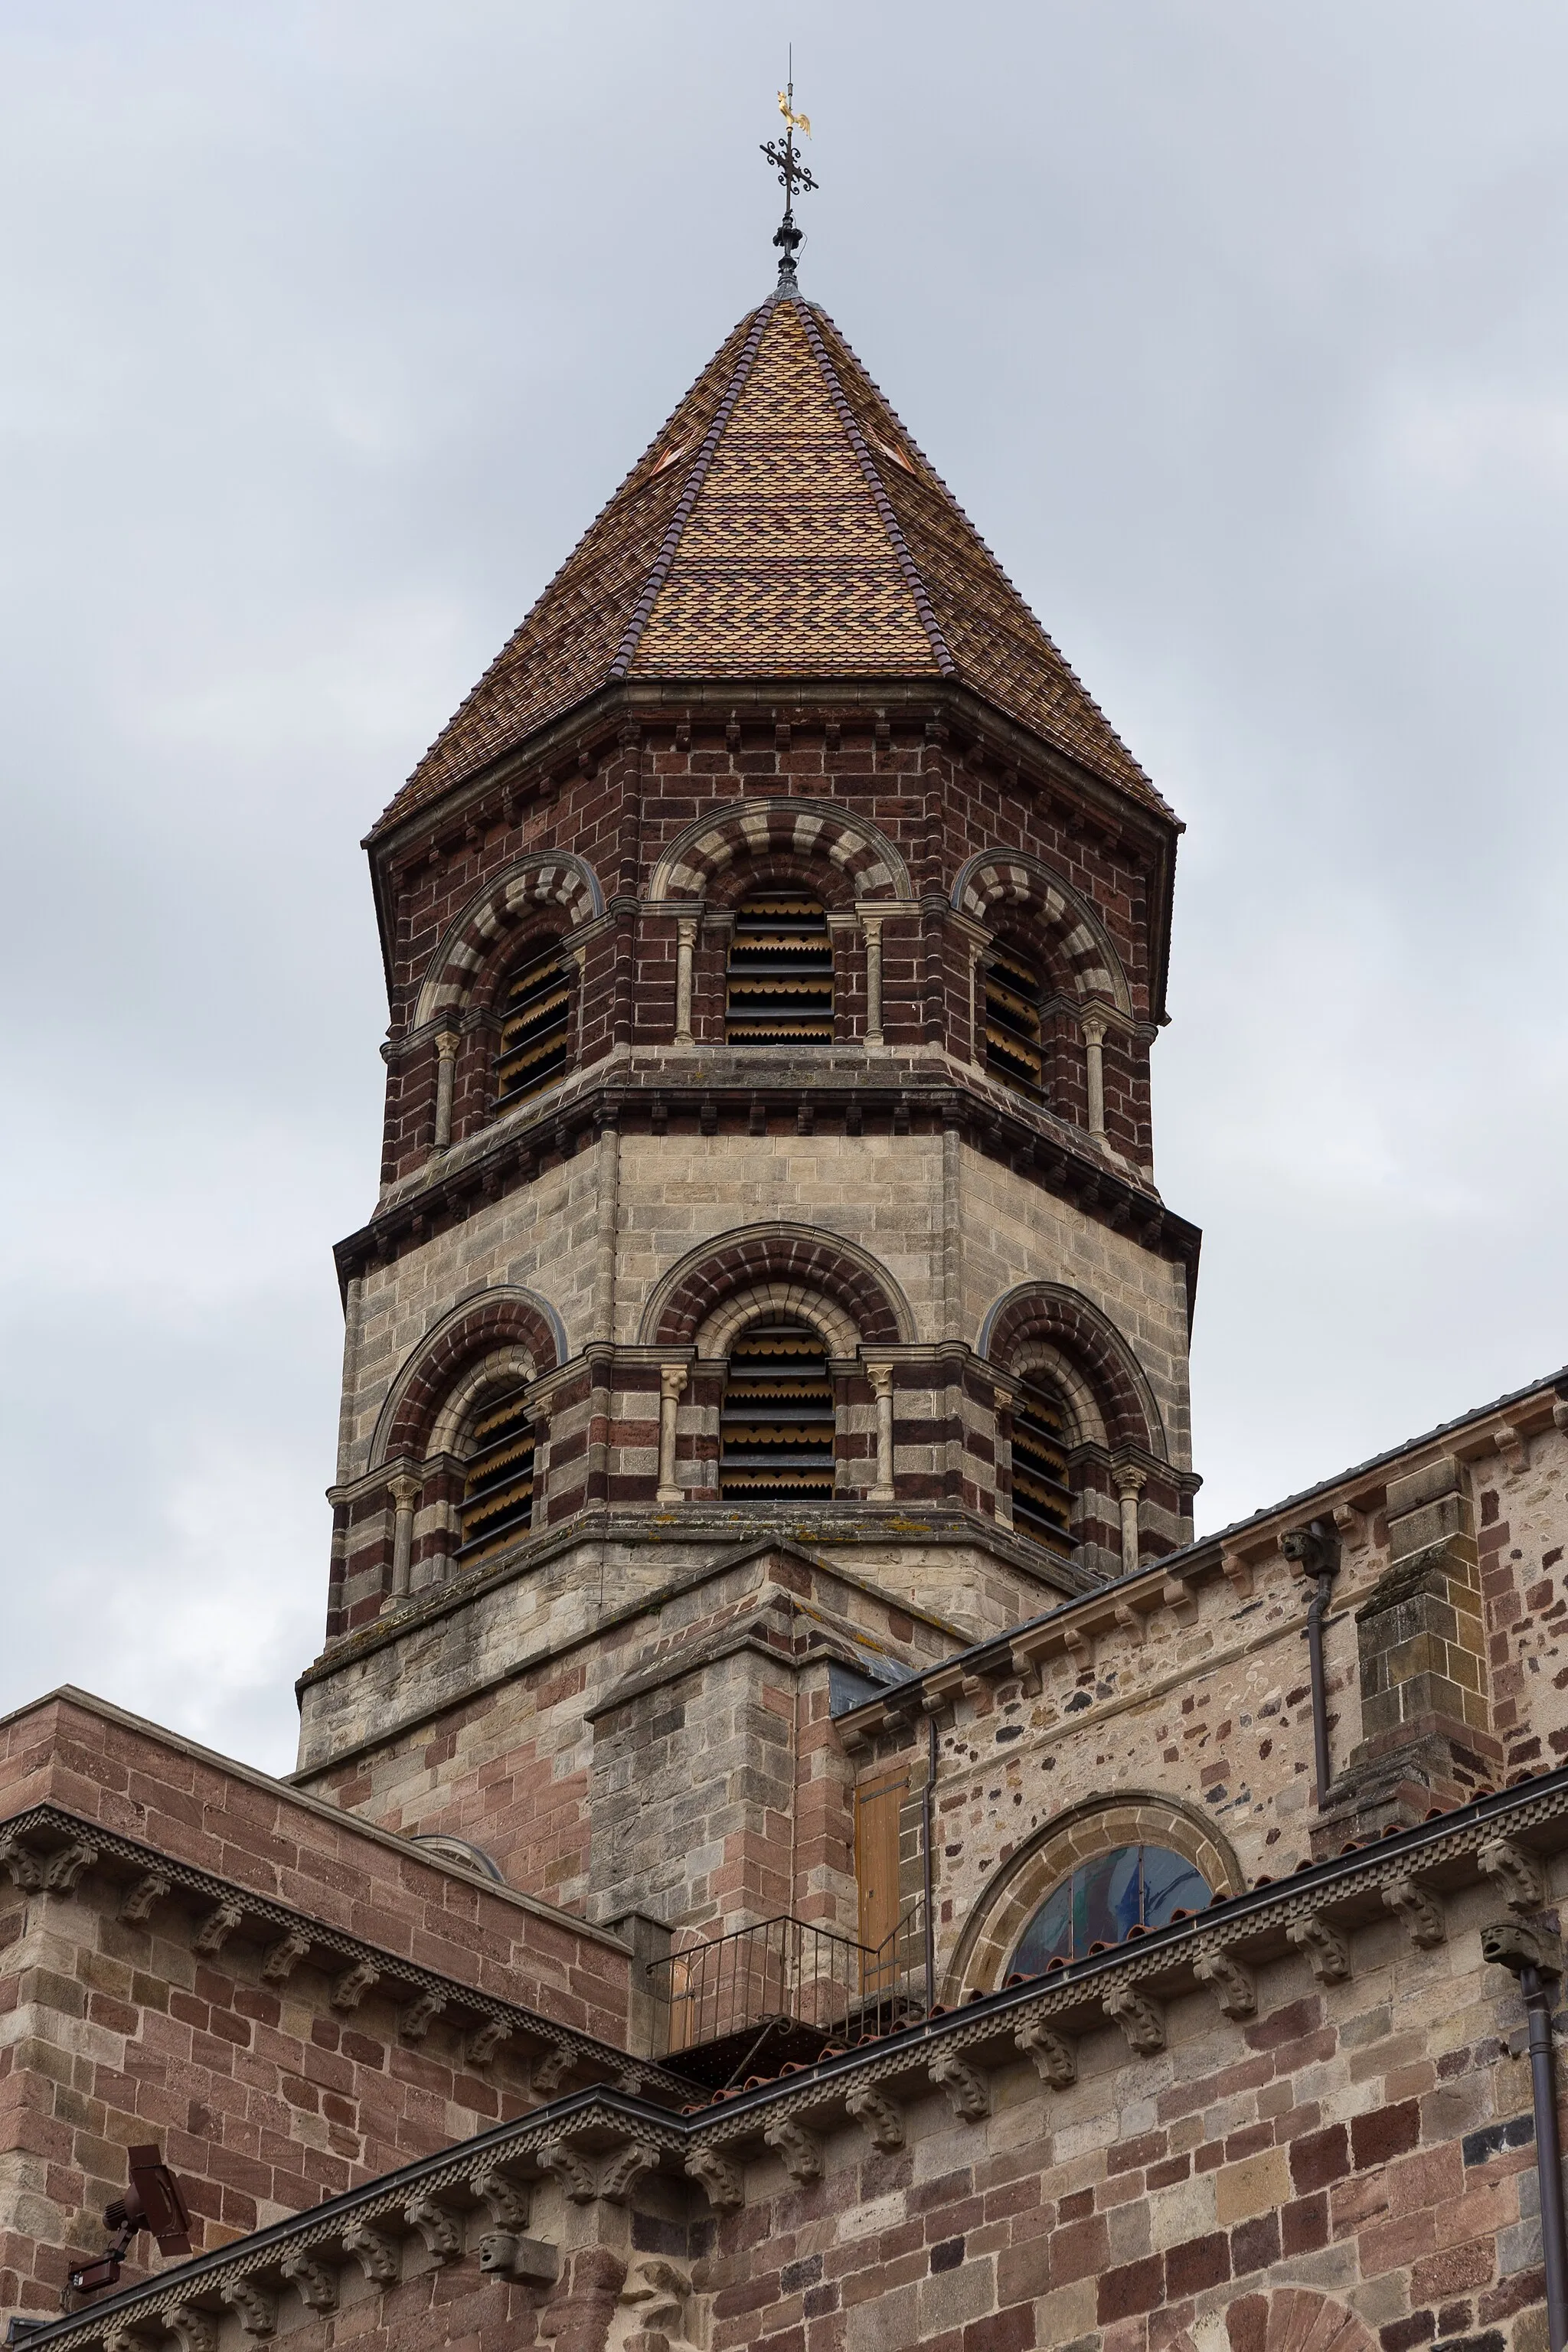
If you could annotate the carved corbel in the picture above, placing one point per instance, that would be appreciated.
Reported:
(313, 2283)
(1423, 1917)
(443, 2238)
(196, 2328)
(414, 2020)
(1180, 1598)
(966, 2092)
(1027, 1666)
(1323, 1947)
(717, 2178)
(284, 1956)
(547, 2073)
(1080, 1645)
(796, 2149)
(1230, 1981)
(133, 2335)
(1139, 2019)
(66, 1865)
(570, 2171)
(621, 2170)
(216, 1928)
(142, 1898)
(378, 2256)
(353, 1984)
(1055, 2061)
(480, 2046)
(255, 2309)
(1518, 1875)
(504, 2199)
(1238, 1573)
(1512, 1445)
(878, 2119)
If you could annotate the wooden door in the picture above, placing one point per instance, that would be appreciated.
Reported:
(877, 1811)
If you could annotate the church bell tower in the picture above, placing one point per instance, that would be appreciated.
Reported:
(768, 1292)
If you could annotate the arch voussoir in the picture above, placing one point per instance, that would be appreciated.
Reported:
(548, 878)
(794, 1257)
(513, 1321)
(793, 829)
(1050, 1312)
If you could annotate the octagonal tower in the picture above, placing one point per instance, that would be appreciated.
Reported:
(767, 1262)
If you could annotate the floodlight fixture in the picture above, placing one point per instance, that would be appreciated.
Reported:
(153, 2203)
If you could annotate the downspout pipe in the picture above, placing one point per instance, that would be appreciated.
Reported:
(1532, 1956)
(926, 1819)
(1315, 1550)
(1548, 2155)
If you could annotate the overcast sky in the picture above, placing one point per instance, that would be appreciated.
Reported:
(1242, 332)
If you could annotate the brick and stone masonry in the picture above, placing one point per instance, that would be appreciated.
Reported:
(635, 1962)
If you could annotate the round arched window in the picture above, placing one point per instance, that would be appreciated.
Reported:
(1130, 1887)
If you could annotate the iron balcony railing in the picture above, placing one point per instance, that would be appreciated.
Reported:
(786, 1981)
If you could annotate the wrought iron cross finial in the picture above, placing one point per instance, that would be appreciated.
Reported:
(792, 175)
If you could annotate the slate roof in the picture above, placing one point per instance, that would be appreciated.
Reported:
(782, 524)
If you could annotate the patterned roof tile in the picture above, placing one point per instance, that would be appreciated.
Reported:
(782, 525)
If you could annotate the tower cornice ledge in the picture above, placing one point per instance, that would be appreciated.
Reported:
(968, 725)
(884, 1093)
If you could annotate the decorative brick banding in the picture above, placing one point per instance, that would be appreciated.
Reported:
(993, 881)
(510, 1320)
(555, 877)
(774, 828)
(793, 1255)
(1050, 1312)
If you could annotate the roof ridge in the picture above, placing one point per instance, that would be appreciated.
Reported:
(985, 548)
(642, 611)
(561, 571)
(889, 520)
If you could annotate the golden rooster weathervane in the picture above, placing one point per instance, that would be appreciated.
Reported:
(793, 174)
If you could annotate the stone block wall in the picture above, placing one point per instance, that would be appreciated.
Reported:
(1323, 2143)
(286, 2000)
(676, 1758)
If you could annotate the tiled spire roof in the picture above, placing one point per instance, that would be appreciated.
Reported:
(782, 525)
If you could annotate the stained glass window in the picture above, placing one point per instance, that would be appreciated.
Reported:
(1104, 1900)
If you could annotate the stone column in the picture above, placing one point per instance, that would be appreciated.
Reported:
(1130, 1482)
(872, 926)
(881, 1379)
(406, 1493)
(672, 1379)
(685, 947)
(1095, 1025)
(1003, 1457)
(607, 1177)
(446, 1074)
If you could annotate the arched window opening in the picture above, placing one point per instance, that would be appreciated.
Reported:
(536, 1018)
(497, 1490)
(776, 1424)
(779, 984)
(1015, 1048)
(1042, 1499)
(1103, 1902)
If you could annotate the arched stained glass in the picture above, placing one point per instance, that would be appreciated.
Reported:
(1130, 1887)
